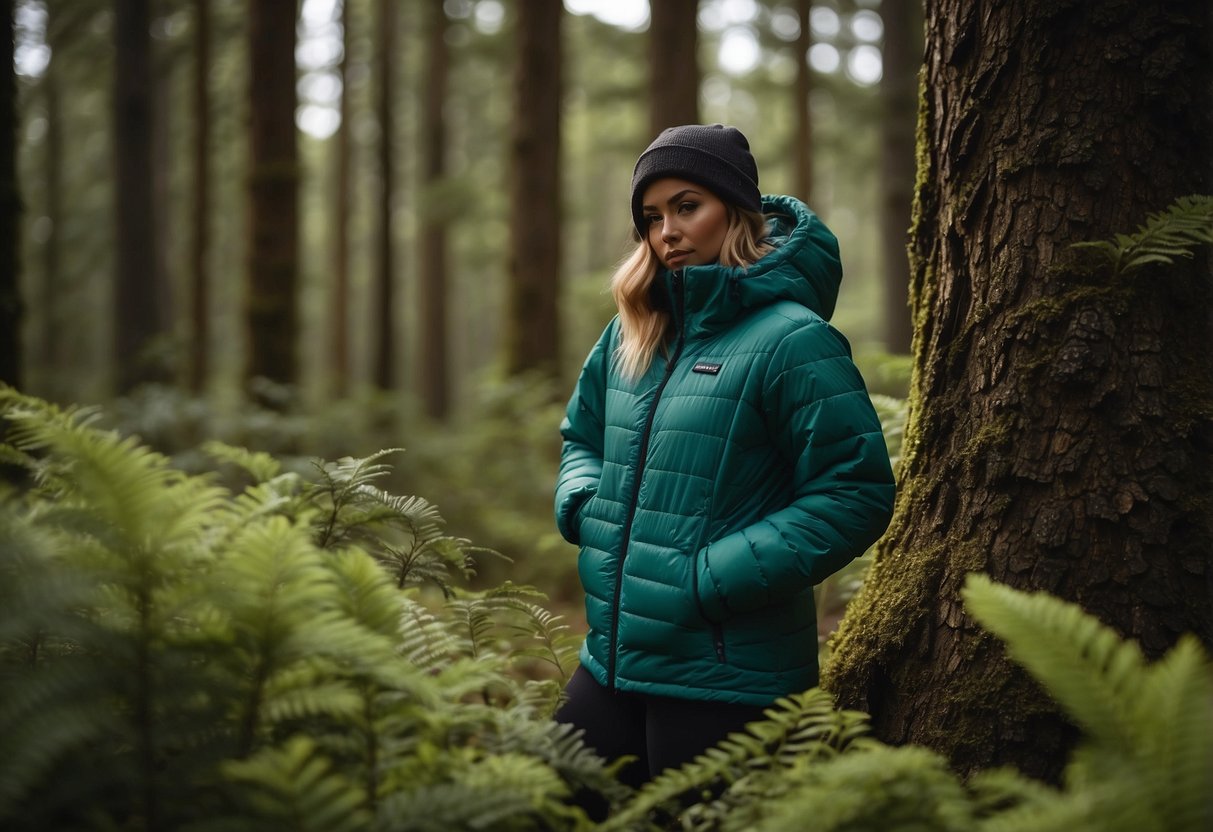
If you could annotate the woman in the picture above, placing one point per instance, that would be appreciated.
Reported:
(721, 457)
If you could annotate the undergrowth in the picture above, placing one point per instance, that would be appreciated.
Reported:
(302, 651)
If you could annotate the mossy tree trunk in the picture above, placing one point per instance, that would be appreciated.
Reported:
(533, 319)
(1060, 429)
(273, 295)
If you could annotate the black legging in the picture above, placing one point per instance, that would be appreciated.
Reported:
(661, 732)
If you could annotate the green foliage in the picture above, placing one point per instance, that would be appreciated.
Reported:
(1146, 761)
(174, 655)
(494, 471)
(877, 788)
(178, 655)
(1168, 234)
(1145, 764)
(804, 729)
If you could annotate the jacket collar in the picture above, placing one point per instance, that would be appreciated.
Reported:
(804, 267)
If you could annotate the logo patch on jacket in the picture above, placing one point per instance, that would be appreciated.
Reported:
(706, 367)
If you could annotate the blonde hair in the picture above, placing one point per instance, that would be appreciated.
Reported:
(643, 327)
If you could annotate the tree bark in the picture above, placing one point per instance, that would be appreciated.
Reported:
(384, 284)
(804, 88)
(339, 331)
(533, 328)
(138, 305)
(1060, 432)
(434, 358)
(898, 92)
(199, 343)
(673, 64)
(10, 212)
(273, 307)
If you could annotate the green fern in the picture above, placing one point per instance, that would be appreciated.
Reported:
(1147, 757)
(257, 464)
(801, 728)
(555, 644)
(1172, 233)
(292, 787)
(877, 787)
(405, 533)
(497, 792)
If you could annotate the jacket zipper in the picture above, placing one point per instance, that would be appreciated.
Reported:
(679, 296)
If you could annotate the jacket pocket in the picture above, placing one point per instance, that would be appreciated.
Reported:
(717, 628)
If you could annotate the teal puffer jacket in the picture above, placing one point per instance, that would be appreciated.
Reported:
(710, 495)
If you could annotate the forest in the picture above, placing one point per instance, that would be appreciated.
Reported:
(293, 295)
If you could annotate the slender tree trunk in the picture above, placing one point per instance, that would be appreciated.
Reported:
(804, 87)
(1060, 432)
(169, 342)
(533, 328)
(273, 307)
(138, 319)
(199, 342)
(51, 353)
(673, 64)
(433, 360)
(899, 96)
(384, 291)
(10, 213)
(339, 346)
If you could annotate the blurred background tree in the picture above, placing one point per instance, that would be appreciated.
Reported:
(389, 161)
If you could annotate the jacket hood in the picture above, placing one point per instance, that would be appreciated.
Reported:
(804, 267)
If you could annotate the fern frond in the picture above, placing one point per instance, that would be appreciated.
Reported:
(1147, 761)
(473, 618)
(47, 716)
(126, 490)
(365, 594)
(1177, 747)
(1094, 675)
(802, 727)
(877, 788)
(291, 701)
(257, 464)
(295, 787)
(424, 638)
(557, 644)
(342, 483)
(500, 792)
(1175, 232)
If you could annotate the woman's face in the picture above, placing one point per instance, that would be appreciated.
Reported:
(686, 223)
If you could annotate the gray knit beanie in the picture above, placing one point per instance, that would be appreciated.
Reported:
(713, 155)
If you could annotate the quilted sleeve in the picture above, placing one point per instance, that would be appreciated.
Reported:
(824, 422)
(582, 429)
